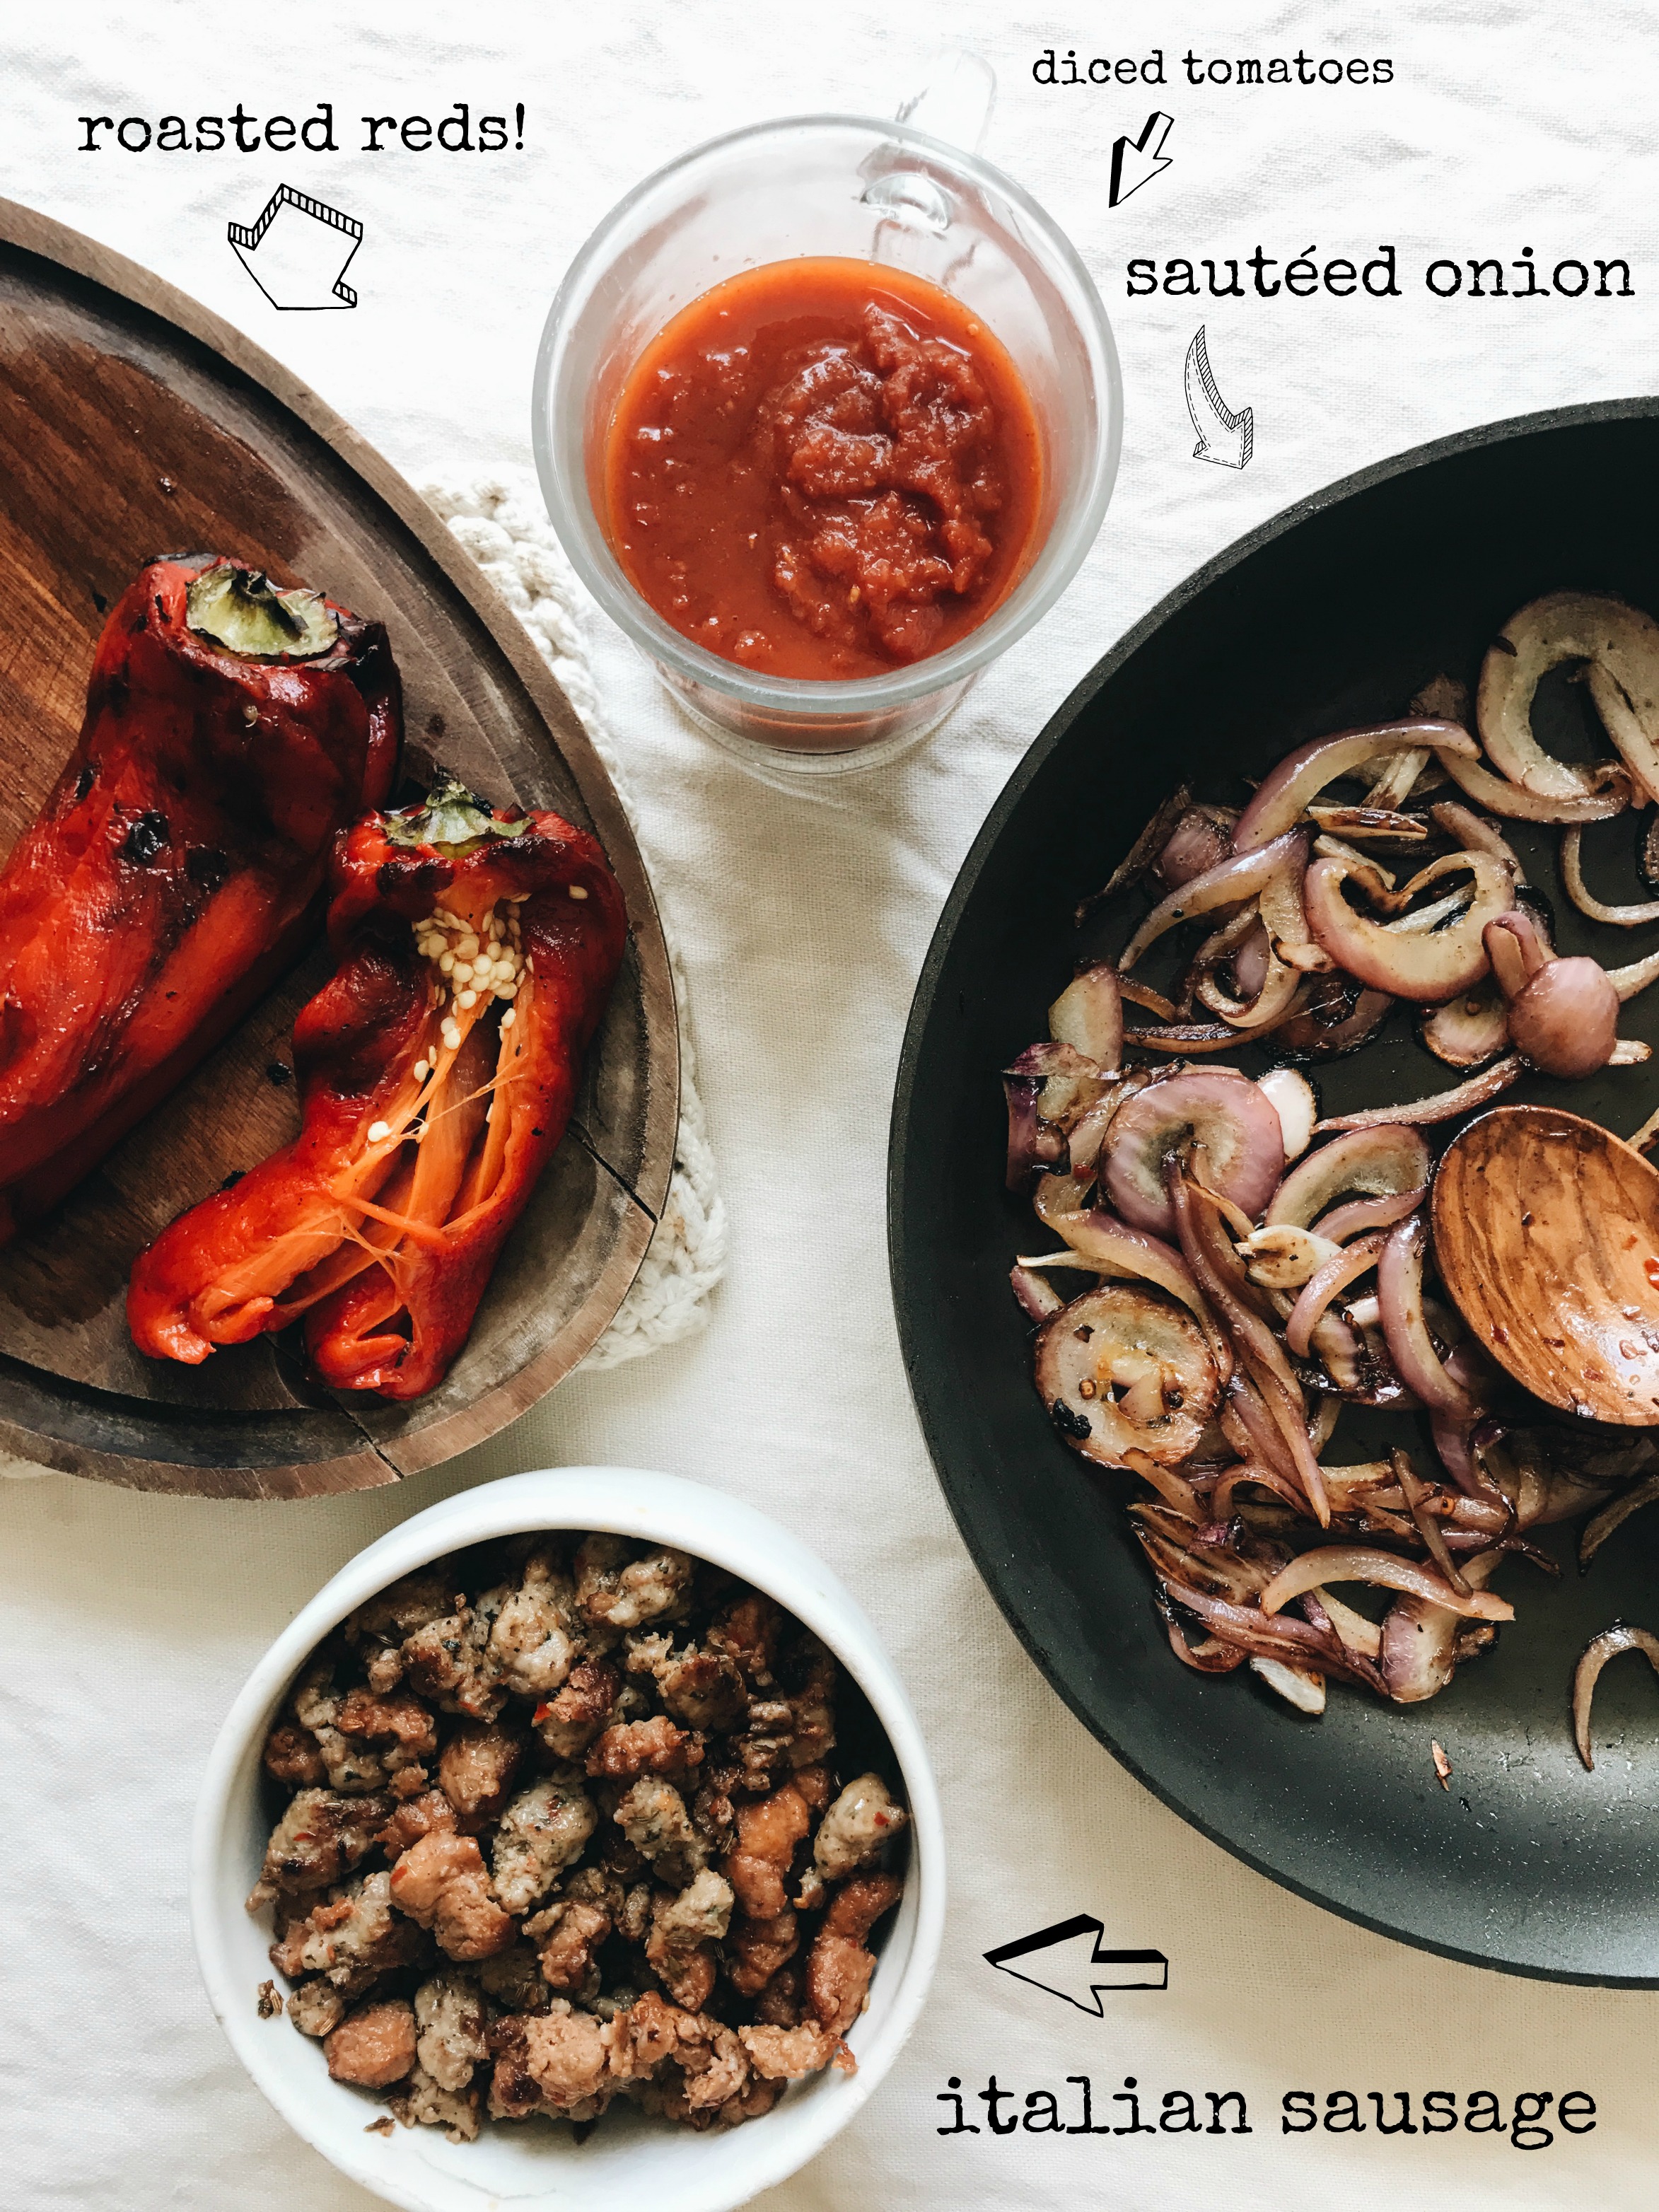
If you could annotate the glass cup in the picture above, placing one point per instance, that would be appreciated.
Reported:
(851, 186)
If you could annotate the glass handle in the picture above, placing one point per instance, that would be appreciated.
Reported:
(955, 102)
(955, 105)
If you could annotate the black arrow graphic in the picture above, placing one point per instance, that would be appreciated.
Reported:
(299, 251)
(1223, 437)
(1067, 1961)
(1135, 162)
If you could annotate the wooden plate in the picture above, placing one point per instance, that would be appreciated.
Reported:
(133, 422)
(1331, 615)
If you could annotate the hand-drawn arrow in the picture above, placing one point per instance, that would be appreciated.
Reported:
(1071, 1962)
(1135, 160)
(292, 252)
(1223, 437)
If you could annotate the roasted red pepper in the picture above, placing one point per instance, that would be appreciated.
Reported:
(232, 730)
(437, 1071)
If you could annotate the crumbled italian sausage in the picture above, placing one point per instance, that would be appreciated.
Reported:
(851, 1833)
(373, 2046)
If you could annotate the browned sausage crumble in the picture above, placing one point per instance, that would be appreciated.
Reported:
(564, 1822)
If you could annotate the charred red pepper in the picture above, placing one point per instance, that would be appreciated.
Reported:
(437, 1071)
(233, 730)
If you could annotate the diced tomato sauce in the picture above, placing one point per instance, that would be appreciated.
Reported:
(824, 469)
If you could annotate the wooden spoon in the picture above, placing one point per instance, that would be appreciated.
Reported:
(1546, 1234)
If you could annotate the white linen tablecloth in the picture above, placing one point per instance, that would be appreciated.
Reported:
(129, 1621)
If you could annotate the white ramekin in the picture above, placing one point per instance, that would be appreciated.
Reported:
(628, 2159)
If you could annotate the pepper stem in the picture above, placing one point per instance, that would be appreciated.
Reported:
(243, 611)
(450, 817)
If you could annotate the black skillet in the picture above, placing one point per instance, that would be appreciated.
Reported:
(1331, 615)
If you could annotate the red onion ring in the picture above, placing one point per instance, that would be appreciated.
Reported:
(1363, 1562)
(1112, 1248)
(1243, 1625)
(1286, 921)
(1345, 1221)
(1419, 1645)
(1424, 965)
(1200, 1037)
(1517, 804)
(1034, 1145)
(1267, 1477)
(1174, 1489)
(1142, 853)
(1037, 1297)
(1303, 773)
(1212, 1656)
(1400, 1295)
(1089, 1015)
(1416, 1493)
(1198, 843)
(1377, 1163)
(1308, 1035)
(1596, 1655)
(1563, 1015)
(1597, 1531)
(1222, 1278)
(1444, 1106)
(1323, 1286)
(1250, 1428)
(1627, 981)
(1242, 1138)
(1239, 878)
(1474, 834)
(1154, 1002)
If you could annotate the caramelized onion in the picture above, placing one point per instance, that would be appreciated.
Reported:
(1292, 1098)
(1201, 840)
(1424, 965)
(1034, 1145)
(1038, 1298)
(1621, 647)
(1515, 803)
(1221, 1277)
(1572, 875)
(1474, 834)
(1286, 921)
(1123, 1337)
(1444, 1106)
(1469, 1029)
(1563, 1014)
(1597, 1653)
(1238, 1129)
(1099, 1241)
(1310, 1036)
(1597, 1531)
(1145, 850)
(1299, 1641)
(1419, 1643)
(1363, 1562)
(1186, 1037)
(1345, 1221)
(1381, 1162)
(1303, 773)
(1337, 1273)
(1627, 981)
(1400, 1295)
(1239, 878)
(1089, 1015)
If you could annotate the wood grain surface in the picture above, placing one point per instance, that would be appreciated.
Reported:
(1546, 1234)
(133, 422)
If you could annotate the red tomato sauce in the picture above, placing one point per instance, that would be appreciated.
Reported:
(824, 469)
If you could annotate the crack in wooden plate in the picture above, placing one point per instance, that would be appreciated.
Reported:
(132, 422)
(1546, 1234)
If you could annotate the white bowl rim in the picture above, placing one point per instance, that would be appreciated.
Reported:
(712, 1525)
